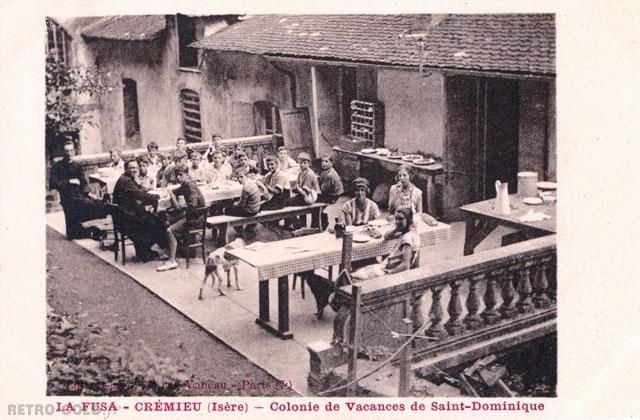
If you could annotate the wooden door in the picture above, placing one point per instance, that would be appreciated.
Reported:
(460, 160)
(296, 131)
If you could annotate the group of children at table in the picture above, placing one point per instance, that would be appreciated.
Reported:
(274, 190)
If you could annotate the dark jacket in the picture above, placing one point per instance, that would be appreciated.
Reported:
(61, 173)
(131, 197)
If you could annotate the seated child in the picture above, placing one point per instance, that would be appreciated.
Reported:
(273, 186)
(286, 162)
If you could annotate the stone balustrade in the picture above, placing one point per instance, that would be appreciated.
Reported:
(460, 309)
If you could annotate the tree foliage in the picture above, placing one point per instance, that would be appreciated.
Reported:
(67, 90)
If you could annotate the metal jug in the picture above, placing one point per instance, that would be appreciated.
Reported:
(502, 198)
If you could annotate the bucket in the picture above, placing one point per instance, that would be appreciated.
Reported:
(527, 184)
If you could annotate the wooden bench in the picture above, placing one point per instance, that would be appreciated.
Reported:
(267, 216)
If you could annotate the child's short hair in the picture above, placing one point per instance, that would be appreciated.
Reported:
(181, 169)
(328, 157)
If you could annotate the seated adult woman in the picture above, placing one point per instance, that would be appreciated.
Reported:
(404, 253)
(405, 194)
(360, 210)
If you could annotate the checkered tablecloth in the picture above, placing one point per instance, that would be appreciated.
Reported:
(229, 191)
(289, 256)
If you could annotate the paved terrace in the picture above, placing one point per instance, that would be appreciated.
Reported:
(231, 318)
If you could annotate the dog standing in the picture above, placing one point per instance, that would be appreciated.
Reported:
(216, 262)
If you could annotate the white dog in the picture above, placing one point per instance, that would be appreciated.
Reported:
(216, 262)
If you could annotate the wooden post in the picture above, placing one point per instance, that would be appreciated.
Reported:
(404, 388)
(283, 305)
(354, 337)
(263, 300)
(347, 245)
(314, 107)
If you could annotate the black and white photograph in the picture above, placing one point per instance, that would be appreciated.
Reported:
(346, 204)
(338, 212)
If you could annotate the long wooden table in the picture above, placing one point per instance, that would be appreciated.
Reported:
(431, 171)
(481, 219)
(282, 258)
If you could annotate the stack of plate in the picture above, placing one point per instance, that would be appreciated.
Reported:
(411, 158)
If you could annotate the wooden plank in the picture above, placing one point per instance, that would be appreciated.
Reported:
(354, 339)
(314, 106)
(404, 387)
(296, 130)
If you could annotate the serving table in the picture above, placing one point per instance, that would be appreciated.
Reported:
(280, 259)
(431, 171)
(481, 219)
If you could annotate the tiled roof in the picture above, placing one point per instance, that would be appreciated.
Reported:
(126, 28)
(513, 43)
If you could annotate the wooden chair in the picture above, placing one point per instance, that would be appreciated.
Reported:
(194, 232)
(296, 234)
(120, 238)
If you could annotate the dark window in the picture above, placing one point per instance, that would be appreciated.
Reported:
(58, 42)
(131, 118)
(191, 122)
(267, 118)
(188, 56)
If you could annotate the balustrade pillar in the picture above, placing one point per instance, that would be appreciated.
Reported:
(490, 314)
(454, 325)
(416, 311)
(541, 299)
(525, 289)
(435, 314)
(508, 308)
(473, 319)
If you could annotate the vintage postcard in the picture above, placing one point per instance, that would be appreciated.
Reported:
(284, 211)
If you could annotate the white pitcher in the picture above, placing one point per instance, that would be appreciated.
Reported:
(502, 198)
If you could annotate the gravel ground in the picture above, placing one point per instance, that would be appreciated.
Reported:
(93, 292)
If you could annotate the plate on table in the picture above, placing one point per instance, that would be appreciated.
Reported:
(411, 158)
(395, 155)
(382, 151)
(532, 201)
(368, 151)
(424, 161)
(378, 223)
(361, 238)
(546, 185)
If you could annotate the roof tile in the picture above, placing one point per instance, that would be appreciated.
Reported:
(126, 28)
(516, 43)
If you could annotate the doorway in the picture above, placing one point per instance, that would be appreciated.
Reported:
(481, 143)
(131, 117)
(501, 135)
